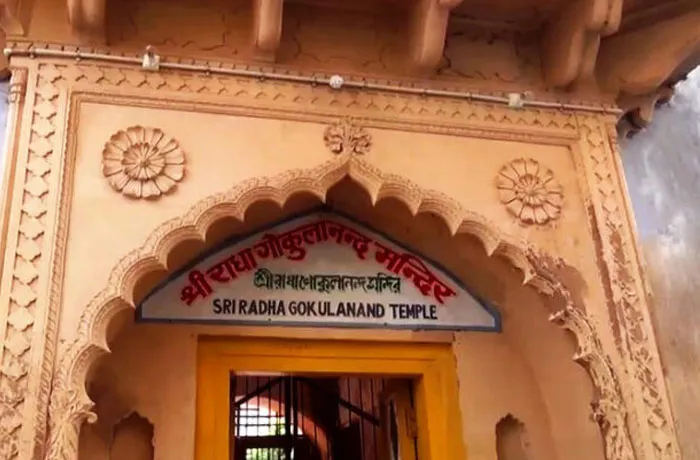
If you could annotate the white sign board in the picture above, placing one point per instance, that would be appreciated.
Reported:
(319, 269)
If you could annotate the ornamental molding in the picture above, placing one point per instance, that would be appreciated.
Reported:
(529, 191)
(346, 136)
(78, 356)
(143, 162)
(41, 372)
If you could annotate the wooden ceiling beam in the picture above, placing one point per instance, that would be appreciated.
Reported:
(637, 62)
(267, 28)
(571, 41)
(428, 34)
(88, 19)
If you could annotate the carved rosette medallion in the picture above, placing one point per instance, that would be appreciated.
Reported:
(529, 191)
(346, 136)
(143, 162)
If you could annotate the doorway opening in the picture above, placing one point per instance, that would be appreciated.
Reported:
(294, 399)
(311, 417)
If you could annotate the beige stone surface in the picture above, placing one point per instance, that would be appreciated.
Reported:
(525, 205)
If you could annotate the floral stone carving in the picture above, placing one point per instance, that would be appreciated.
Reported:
(143, 162)
(529, 191)
(345, 136)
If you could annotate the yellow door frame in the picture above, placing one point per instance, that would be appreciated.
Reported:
(432, 365)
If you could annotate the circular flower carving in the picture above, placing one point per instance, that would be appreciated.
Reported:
(529, 191)
(143, 162)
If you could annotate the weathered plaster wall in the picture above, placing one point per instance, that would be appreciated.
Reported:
(662, 165)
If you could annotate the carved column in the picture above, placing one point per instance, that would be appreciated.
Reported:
(649, 413)
(13, 371)
(29, 325)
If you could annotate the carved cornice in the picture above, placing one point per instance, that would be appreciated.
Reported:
(625, 65)
(571, 40)
(447, 84)
(582, 41)
(657, 12)
(639, 110)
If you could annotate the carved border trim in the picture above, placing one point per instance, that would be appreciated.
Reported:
(475, 122)
(24, 389)
(653, 427)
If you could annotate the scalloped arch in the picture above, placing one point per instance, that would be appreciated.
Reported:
(70, 404)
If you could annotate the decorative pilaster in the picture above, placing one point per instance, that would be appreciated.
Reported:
(29, 329)
(650, 417)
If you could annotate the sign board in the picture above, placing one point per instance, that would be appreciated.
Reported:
(320, 269)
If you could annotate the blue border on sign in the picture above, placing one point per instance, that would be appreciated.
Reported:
(323, 209)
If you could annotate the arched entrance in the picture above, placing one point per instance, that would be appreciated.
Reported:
(552, 395)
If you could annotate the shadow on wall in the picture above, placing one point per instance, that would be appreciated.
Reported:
(662, 166)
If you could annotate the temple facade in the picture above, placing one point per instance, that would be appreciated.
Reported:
(312, 230)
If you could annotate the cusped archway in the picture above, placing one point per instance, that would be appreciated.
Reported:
(369, 190)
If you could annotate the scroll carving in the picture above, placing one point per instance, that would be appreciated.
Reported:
(143, 162)
(70, 408)
(346, 136)
(608, 408)
(529, 191)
